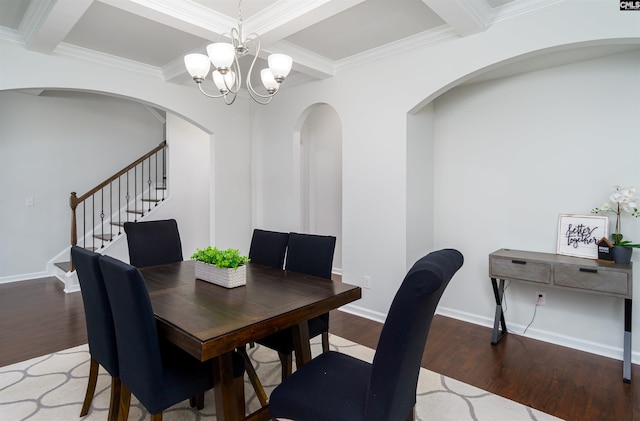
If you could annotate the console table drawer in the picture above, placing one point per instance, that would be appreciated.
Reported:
(525, 270)
(605, 281)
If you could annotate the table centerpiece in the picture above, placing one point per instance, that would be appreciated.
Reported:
(221, 267)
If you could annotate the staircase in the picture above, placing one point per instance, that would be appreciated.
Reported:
(98, 216)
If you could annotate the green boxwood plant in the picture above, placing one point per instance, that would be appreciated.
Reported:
(229, 258)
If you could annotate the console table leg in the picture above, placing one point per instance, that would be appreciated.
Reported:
(626, 368)
(498, 292)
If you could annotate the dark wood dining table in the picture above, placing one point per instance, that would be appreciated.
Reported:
(209, 321)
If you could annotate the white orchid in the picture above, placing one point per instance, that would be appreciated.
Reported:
(622, 200)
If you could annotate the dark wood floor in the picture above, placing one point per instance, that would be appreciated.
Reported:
(37, 318)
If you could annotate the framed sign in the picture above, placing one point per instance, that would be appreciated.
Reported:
(578, 235)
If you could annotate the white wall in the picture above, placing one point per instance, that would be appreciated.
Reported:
(531, 147)
(378, 175)
(229, 128)
(375, 129)
(321, 146)
(420, 205)
(50, 146)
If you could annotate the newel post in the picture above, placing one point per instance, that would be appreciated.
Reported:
(73, 202)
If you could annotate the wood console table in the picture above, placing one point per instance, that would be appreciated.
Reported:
(564, 272)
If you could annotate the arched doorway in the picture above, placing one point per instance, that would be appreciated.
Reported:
(321, 175)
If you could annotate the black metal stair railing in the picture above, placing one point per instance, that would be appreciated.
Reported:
(100, 214)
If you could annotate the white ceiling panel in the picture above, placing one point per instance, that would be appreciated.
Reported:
(153, 36)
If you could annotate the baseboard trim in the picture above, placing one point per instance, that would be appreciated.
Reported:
(543, 335)
(24, 277)
(364, 312)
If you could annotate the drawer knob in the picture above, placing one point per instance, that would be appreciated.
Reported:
(588, 270)
(519, 262)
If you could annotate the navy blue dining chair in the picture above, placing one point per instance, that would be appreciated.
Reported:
(338, 387)
(268, 247)
(312, 255)
(153, 242)
(158, 373)
(101, 335)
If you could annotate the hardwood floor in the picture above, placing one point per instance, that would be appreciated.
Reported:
(37, 318)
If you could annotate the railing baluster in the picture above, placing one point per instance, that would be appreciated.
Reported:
(111, 211)
(99, 232)
(102, 217)
(93, 220)
(156, 192)
(149, 184)
(119, 206)
(135, 193)
(164, 172)
(128, 197)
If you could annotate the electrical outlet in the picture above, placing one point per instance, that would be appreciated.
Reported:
(367, 281)
(541, 298)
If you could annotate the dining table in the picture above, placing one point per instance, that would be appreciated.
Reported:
(210, 321)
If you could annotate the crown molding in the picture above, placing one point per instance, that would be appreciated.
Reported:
(107, 59)
(432, 36)
(34, 17)
(521, 7)
(11, 35)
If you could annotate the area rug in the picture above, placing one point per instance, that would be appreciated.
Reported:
(52, 387)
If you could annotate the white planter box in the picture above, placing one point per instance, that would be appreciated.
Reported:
(225, 277)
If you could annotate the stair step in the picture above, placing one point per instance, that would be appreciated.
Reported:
(139, 212)
(105, 237)
(118, 224)
(65, 266)
(151, 200)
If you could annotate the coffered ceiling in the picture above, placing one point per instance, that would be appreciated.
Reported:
(322, 36)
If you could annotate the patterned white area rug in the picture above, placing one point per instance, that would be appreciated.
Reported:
(52, 387)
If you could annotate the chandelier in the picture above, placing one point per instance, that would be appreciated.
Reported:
(226, 73)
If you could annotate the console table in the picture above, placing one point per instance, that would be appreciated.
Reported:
(564, 272)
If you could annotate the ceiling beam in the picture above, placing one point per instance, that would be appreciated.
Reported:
(184, 15)
(286, 17)
(46, 23)
(466, 17)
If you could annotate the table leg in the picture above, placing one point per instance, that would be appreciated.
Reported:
(301, 343)
(626, 363)
(224, 390)
(498, 292)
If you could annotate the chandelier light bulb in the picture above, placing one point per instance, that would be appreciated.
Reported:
(222, 55)
(224, 82)
(269, 81)
(280, 66)
(198, 66)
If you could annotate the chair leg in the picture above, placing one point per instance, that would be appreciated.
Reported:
(253, 377)
(197, 401)
(239, 386)
(125, 403)
(325, 341)
(286, 360)
(156, 417)
(91, 386)
(114, 402)
(412, 414)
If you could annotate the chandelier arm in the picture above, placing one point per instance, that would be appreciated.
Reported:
(255, 94)
(238, 82)
(208, 94)
(232, 99)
